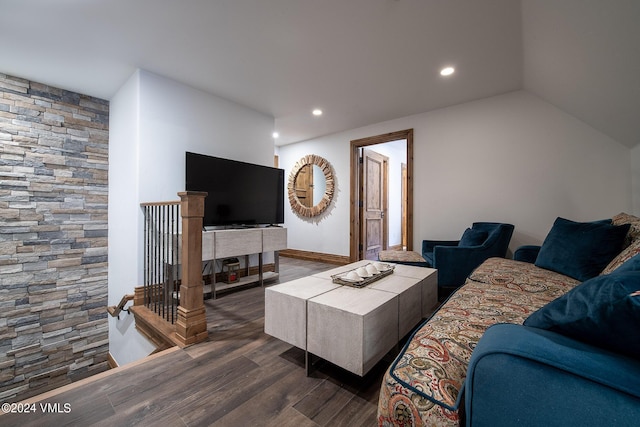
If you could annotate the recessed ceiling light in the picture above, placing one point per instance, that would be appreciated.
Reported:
(275, 135)
(317, 112)
(447, 71)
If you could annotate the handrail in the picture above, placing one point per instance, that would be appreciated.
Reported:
(115, 310)
(172, 202)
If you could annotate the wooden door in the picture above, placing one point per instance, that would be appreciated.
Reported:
(303, 185)
(374, 204)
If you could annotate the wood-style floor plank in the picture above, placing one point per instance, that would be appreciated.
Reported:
(322, 403)
(267, 406)
(240, 376)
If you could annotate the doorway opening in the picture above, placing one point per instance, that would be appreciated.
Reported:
(374, 191)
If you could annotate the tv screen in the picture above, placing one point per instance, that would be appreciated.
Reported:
(239, 193)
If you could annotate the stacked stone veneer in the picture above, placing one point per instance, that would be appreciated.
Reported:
(53, 237)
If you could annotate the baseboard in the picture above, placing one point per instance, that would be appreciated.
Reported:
(315, 256)
(111, 361)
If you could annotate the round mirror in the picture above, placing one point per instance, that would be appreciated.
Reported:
(310, 186)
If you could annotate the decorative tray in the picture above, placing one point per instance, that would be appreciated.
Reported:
(363, 275)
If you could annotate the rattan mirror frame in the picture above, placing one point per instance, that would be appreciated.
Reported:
(327, 170)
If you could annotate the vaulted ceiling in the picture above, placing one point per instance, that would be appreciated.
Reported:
(361, 61)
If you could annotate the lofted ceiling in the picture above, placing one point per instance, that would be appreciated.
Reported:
(361, 61)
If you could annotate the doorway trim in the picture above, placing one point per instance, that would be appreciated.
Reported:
(356, 144)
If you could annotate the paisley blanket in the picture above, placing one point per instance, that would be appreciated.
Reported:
(423, 386)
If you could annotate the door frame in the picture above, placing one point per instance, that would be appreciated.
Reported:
(403, 208)
(354, 231)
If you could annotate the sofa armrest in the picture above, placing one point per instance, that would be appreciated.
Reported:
(527, 253)
(531, 377)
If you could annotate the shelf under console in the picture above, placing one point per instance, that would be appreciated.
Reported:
(221, 244)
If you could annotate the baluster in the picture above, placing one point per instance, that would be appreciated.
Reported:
(145, 273)
(161, 257)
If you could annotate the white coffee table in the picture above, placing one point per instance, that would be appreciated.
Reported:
(350, 327)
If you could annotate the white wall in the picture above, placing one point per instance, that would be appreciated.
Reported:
(125, 343)
(175, 118)
(511, 158)
(153, 122)
(329, 232)
(635, 179)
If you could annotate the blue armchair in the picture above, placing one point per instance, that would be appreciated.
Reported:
(456, 259)
(527, 253)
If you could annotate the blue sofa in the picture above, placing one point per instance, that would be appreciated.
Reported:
(526, 376)
(514, 365)
(480, 361)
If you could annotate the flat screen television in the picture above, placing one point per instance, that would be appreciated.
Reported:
(239, 193)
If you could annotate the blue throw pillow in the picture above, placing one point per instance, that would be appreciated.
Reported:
(581, 249)
(603, 311)
(472, 237)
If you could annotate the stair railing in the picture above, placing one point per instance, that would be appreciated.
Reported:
(161, 258)
(169, 307)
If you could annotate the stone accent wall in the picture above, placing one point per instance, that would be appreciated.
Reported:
(53, 237)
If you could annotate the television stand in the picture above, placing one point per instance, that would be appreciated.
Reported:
(221, 244)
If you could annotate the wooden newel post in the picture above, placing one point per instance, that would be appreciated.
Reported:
(191, 325)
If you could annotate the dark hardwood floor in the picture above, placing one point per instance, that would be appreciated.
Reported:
(239, 377)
